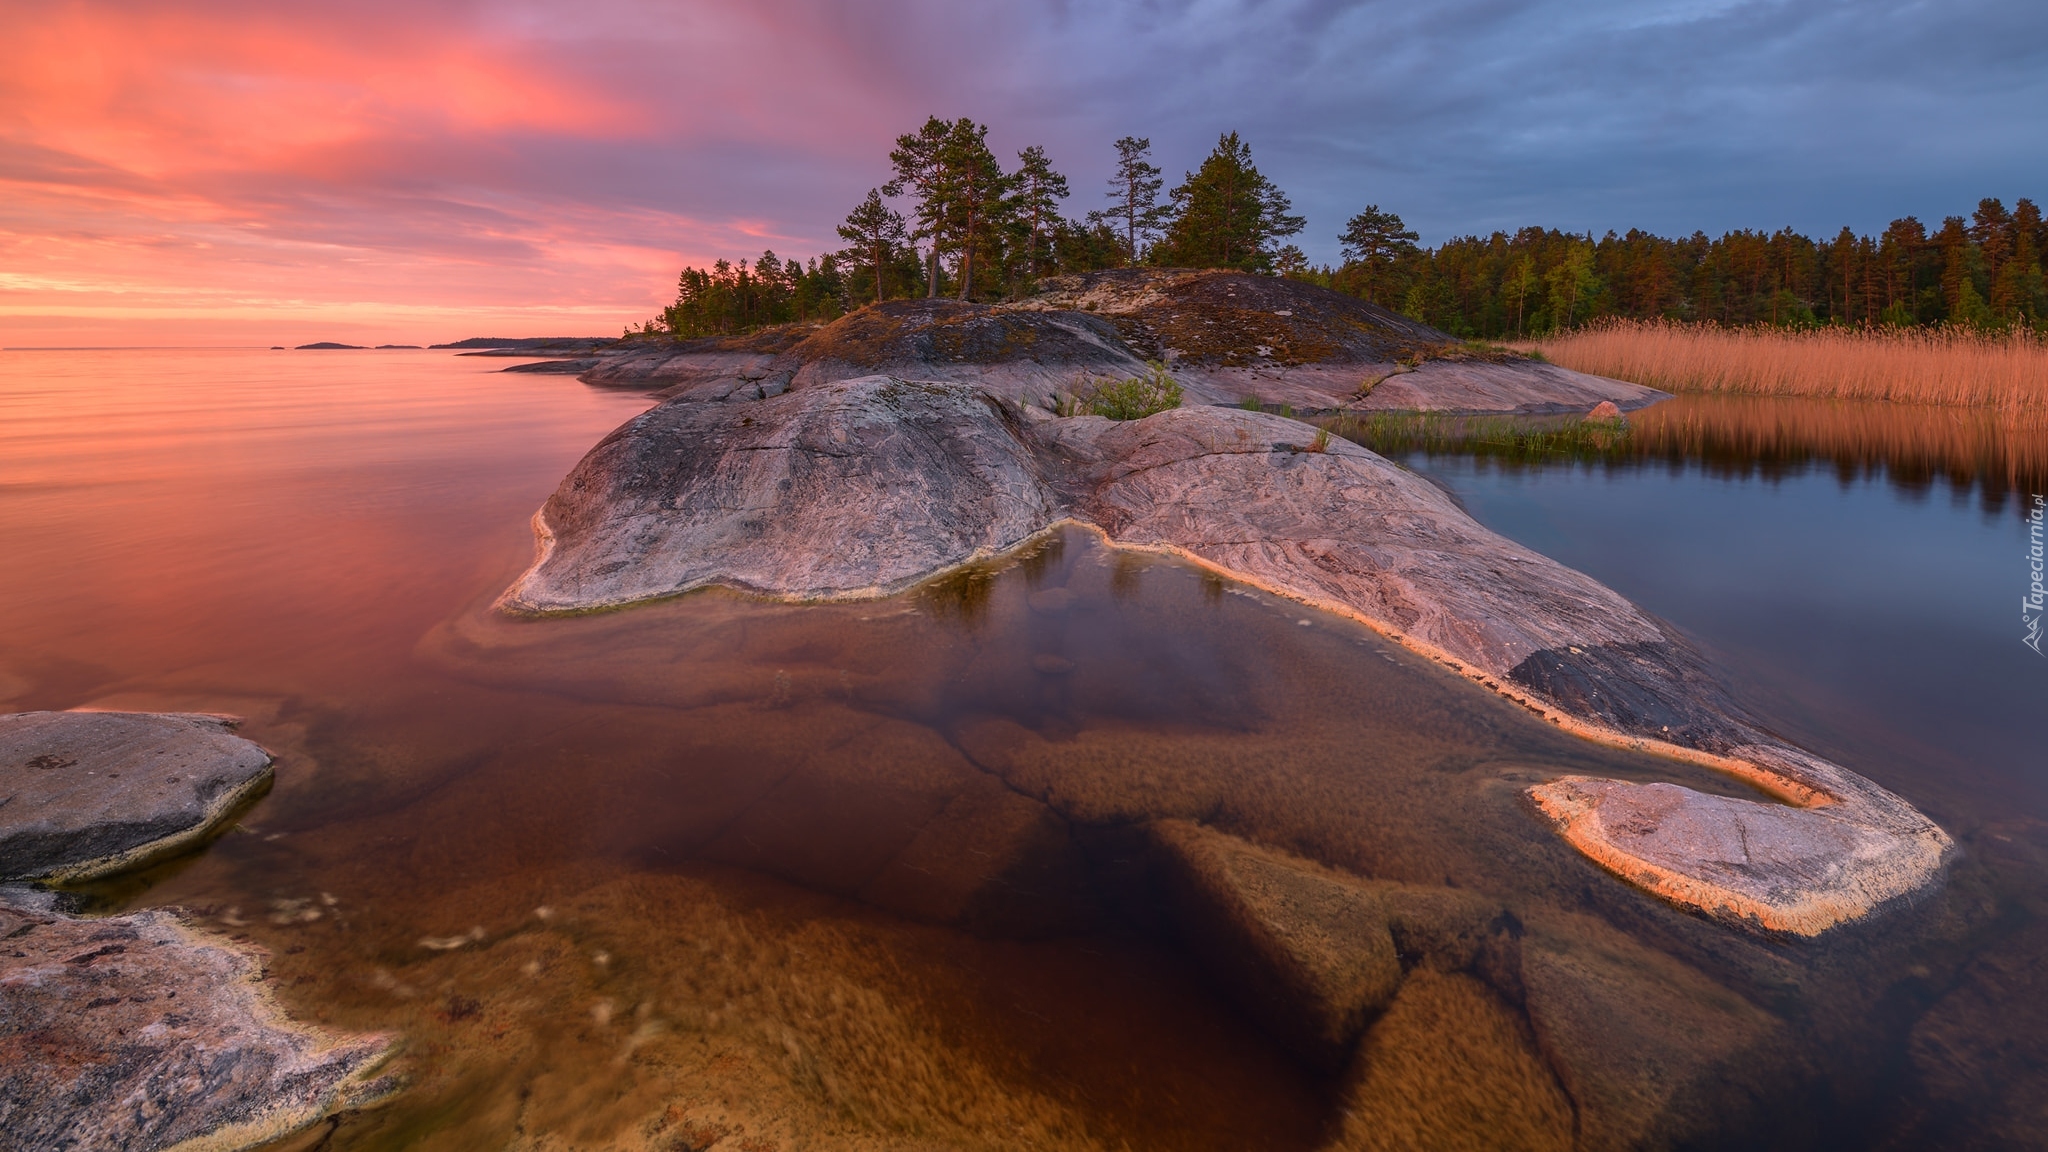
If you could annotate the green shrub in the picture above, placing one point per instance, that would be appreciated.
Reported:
(1132, 399)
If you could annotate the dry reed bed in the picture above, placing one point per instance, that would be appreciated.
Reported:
(2003, 449)
(1919, 366)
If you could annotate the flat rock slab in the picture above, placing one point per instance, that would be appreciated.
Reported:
(863, 487)
(139, 1032)
(1796, 869)
(85, 794)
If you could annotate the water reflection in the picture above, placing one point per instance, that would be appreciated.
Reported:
(1997, 455)
(718, 872)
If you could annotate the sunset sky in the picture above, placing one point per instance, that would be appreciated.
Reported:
(234, 171)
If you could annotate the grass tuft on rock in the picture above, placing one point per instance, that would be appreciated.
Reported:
(1132, 399)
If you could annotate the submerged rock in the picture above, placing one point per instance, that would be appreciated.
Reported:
(1229, 337)
(1451, 1067)
(1307, 952)
(88, 794)
(863, 487)
(1314, 954)
(139, 1032)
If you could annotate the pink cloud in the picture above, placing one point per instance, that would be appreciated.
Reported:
(433, 163)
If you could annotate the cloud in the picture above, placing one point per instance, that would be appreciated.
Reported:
(436, 158)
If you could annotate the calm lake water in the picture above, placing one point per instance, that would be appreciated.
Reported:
(1876, 621)
(722, 873)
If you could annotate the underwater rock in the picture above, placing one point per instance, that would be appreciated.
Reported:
(1650, 1049)
(88, 794)
(1449, 1067)
(1307, 951)
(860, 488)
(138, 1031)
(1313, 953)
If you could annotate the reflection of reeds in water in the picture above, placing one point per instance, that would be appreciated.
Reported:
(1918, 366)
(2001, 450)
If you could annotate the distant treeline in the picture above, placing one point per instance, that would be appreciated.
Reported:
(1983, 272)
(966, 227)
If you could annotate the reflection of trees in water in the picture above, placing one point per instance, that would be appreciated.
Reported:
(963, 594)
(1998, 453)
(1042, 559)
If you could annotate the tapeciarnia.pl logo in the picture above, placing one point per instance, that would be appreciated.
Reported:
(2035, 601)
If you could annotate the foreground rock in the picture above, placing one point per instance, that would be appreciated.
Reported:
(87, 794)
(862, 487)
(1230, 338)
(944, 471)
(137, 1032)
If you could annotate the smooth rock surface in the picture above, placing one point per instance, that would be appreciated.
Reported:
(86, 794)
(854, 489)
(862, 487)
(139, 1032)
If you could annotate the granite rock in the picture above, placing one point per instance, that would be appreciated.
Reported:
(859, 488)
(139, 1032)
(87, 794)
(862, 487)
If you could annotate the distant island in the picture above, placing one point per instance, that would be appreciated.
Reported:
(329, 344)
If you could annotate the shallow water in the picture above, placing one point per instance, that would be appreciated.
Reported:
(855, 875)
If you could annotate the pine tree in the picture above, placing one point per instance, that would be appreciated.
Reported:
(2021, 286)
(1035, 205)
(1375, 242)
(1226, 214)
(1134, 196)
(976, 194)
(920, 163)
(875, 231)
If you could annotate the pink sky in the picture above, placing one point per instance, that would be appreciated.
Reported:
(412, 171)
(265, 173)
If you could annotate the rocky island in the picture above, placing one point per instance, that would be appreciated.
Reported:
(913, 437)
(1228, 337)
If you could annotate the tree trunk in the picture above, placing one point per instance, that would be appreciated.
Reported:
(932, 290)
(967, 259)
